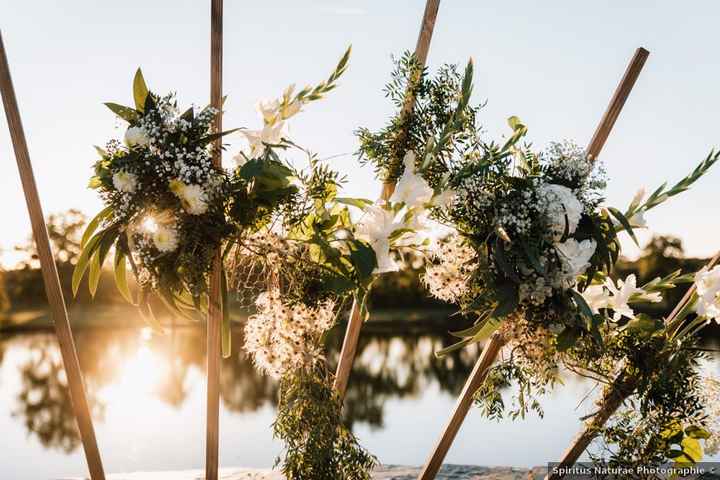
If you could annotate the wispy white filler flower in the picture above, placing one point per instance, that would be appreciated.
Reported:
(136, 136)
(284, 337)
(411, 189)
(707, 283)
(124, 181)
(448, 278)
(711, 402)
(375, 227)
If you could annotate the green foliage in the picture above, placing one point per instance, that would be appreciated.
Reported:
(434, 120)
(309, 422)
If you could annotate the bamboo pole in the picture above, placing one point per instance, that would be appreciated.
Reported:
(215, 306)
(352, 333)
(496, 341)
(613, 397)
(50, 273)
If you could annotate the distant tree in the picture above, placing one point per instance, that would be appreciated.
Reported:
(65, 230)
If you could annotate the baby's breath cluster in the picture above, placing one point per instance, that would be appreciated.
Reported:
(447, 276)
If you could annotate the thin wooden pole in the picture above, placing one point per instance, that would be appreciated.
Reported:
(50, 273)
(615, 395)
(496, 341)
(352, 333)
(215, 306)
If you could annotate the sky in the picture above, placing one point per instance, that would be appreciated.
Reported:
(554, 64)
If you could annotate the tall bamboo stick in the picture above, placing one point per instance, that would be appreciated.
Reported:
(613, 397)
(215, 306)
(50, 273)
(352, 333)
(496, 341)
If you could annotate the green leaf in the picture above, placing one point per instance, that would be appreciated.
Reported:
(697, 432)
(214, 136)
(624, 222)
(363, 258)
(692, 449)
(567, 339)
(360, 203)
(508, 299)
(582, 304)
(94, 224)
(94, 275)
(128, 114)
(140, 90)
(120, 268)
(83, 261)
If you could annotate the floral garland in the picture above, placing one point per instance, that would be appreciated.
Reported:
(531, 250)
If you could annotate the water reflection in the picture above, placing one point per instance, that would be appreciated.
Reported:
(145, 372)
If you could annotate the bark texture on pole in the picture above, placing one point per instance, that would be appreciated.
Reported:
(215, 306)
(477, 376)
(352, 333)
(53, 289)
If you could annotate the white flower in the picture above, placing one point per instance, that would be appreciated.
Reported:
(124, 181)
(240, 159)
(711, 404)
(444, 199)
(375, 227)
(411, 189)
(563, 209)
(258, 139)
(192, 197)
(136, 136)
(269, 111)
(165, 238)
(447, 278)
(707, 283)
(283, 337)
(621, 295)
(597, 297)
(575, 257)
(638, 220)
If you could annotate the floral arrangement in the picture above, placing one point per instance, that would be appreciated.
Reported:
(165, 202)
(531, 250)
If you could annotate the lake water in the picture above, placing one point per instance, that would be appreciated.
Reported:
(148, 395)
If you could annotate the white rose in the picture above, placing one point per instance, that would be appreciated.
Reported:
(124, 181)
(561, 204)
(136, 136)
(575, 257)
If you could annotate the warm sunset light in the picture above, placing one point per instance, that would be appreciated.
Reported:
(423, 240)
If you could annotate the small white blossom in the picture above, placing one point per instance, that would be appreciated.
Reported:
(124, 181)
(707, 283)
(622, 295)
(411, 189)
(136, 136)
(447, 279)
